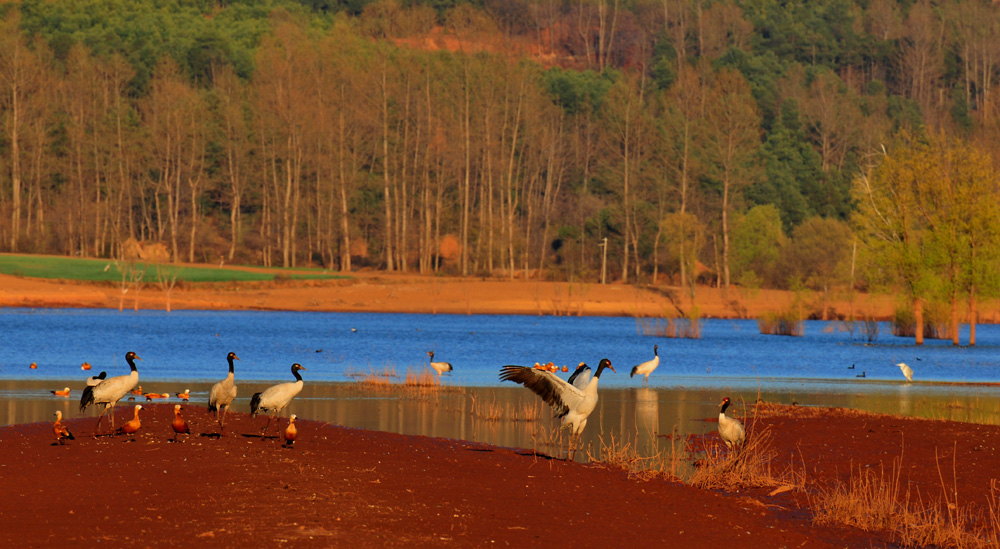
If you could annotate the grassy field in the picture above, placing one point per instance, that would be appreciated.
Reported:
(68, 268)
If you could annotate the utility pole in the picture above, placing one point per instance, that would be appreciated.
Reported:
(604, 261)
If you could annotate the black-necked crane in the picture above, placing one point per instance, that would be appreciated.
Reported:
(111, 390)
(580, 377)
(223, 393)
(907, 371)
(179, 426)
(291, 432)
(276, 397)
(571, 404)
(61, 392)
(647, 367)
(730, 428)
(439, 367)
(130, 428)
(60, 430)
(95, 380)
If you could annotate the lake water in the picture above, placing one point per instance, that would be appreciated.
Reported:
(186, 350)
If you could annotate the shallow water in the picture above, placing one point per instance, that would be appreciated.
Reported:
(192, 345)
(186, 350)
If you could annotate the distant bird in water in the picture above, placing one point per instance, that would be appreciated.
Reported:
(132, 427)
(571, 404)
(907, 371)
(862, 374)
(185, 395)
(851, 367)
(61, 393)
(85, 366)
(33, 366)
(179, 425)
(647, 367)
(580, 377)
(354, 329)
(110, 391)
(439, 367)
(60, 430)
(730, 429)
(223, 394)
(290, 432)
(276, 397)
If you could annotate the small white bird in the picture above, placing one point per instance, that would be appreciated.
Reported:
(647, 367)
(571, 404)
(907, 371)
(439, 367)
(730, 428)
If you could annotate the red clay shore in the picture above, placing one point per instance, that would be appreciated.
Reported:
(411, 293)
(349, 487)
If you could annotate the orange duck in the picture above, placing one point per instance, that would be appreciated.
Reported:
(132, 427)
(60, 430)
(185, 395)
(137, 390)
(85, 366)
(290, 432)
(33, 366)
(180, 426)
(62, 393)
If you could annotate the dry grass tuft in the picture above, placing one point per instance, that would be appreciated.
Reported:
(745, 466)
(618, 454)
(787, 323)
(424, 379)
(876, 501)
(493, 412)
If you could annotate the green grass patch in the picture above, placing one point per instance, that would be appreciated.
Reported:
(104, 270)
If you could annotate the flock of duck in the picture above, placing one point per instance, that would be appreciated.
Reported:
(107, 392)
(572, 400)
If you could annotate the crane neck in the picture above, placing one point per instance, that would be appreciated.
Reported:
(605, 363)
(231, 370)
(296, 374)
(724, 406)
(131, 363)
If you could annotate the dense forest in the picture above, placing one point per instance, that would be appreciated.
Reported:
(712, 140)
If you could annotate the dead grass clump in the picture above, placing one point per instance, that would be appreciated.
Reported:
(625, 456)
(526, 412)
(787, 323)
(686, 327)
(745, 466)
(424, 379)
(491, 411)
(875, 501)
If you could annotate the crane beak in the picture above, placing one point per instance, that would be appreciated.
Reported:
(236, 357)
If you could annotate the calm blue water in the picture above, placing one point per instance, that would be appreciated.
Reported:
(191, 345)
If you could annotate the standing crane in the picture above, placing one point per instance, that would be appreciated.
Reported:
(223, 394)
(110, 391)
(647, 367)
(276, 397)
(730, 428)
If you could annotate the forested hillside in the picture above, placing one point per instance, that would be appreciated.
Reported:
(710, 139)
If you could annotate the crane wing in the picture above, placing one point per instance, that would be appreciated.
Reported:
(554, 390)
